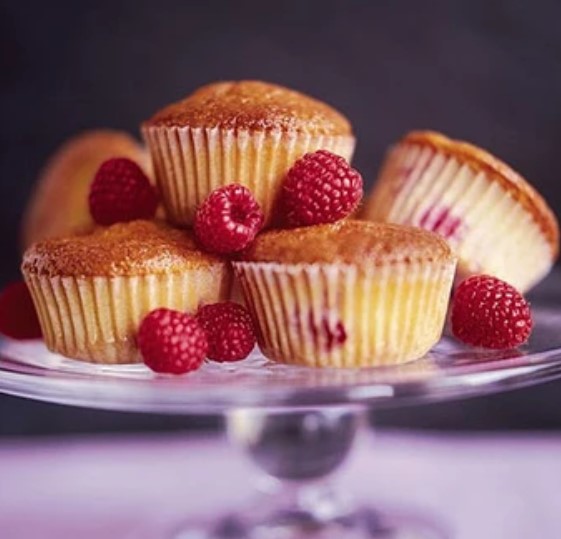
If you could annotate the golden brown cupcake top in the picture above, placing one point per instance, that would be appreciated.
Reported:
(253, 106)
(123, 249)
(497, 170)
(349, 242)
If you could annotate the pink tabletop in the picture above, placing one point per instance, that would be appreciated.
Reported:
(103, 488)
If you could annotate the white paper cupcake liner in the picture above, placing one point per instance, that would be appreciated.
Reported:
(485, 225)
(96, 318)
(190, 163)
(335, 315)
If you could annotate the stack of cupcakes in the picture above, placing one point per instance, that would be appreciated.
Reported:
(234, 159)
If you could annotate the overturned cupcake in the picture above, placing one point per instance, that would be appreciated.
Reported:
(91, 292)
(349, 294)
(492, 218)
(245, 132)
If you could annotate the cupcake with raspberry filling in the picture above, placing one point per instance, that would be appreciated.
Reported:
(495, 221)
(245, 132)
(349, 294)
(92, 291)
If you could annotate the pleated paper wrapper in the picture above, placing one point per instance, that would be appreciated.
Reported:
(96, 318)
(484, 224)
(336, 315)
(190, 163)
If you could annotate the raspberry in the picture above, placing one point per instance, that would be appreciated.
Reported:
(490, 313)
(171, 342)
(18, 318)
(229, 330)
(120, 191)
(321, 187)
(228, 220)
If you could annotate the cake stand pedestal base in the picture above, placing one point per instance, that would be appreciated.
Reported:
(299, 451)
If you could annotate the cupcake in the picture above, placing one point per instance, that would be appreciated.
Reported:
(91, 292)
(349, 294)
(493, 219)
(244, 132)
(59, 203)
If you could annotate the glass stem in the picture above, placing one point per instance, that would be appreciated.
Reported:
(296, 445)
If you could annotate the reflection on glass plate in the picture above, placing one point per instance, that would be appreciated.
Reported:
(450, 370)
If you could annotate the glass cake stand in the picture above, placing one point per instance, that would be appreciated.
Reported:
(297, 424)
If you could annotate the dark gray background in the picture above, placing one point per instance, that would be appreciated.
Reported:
(486, 71)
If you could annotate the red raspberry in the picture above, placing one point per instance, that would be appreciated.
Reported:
(321, 187)
(228, 220)
(18, 318)
(120, 191)
(171, 342)
(229, 330)
(490, 313)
